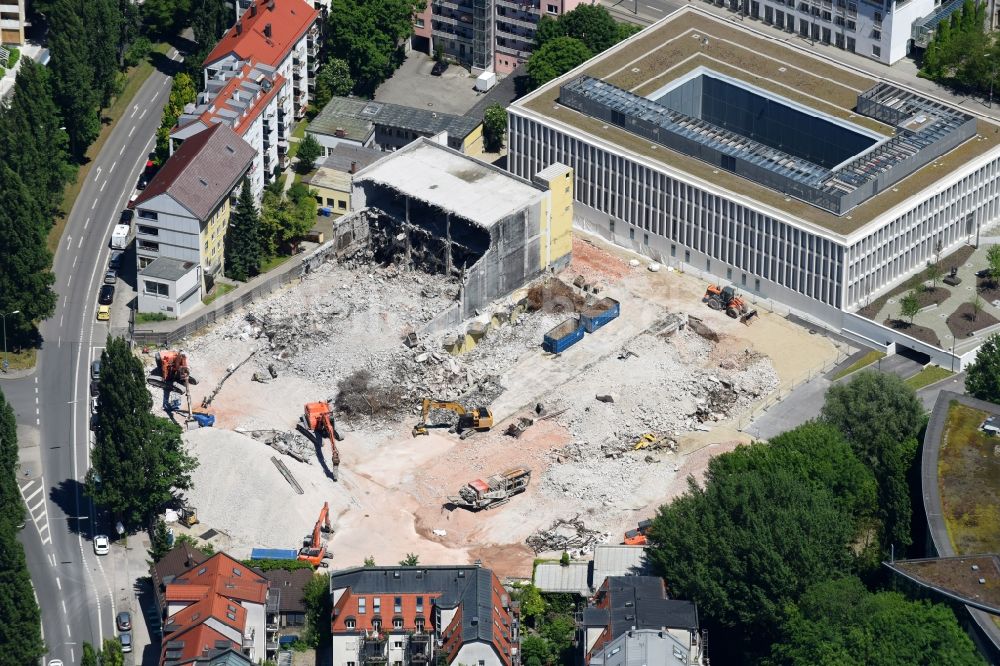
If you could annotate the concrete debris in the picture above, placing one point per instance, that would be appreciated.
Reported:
(605, 397)
(565, 535)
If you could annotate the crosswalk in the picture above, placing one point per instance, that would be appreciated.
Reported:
(33, 492)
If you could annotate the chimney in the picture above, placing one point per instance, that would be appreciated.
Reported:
(354, 167)
(253, 10)
(239, 27)
(267, 30)
(270, 5)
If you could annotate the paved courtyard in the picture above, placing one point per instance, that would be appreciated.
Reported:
(413, 85)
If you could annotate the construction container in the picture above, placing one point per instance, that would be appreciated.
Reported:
(274, 554)
(599, 314)
(563, 336)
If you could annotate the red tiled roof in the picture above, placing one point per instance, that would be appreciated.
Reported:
(227, 577)
(198, 640)
(289, 20)
(241, 123)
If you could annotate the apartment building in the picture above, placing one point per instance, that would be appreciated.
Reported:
(252, 99)
(422, 615)
(12, 22)
(219, 612)
(183, 213)
(281, 34)
(631, 621)
(323, 6)
(463, 29)
(516, 23)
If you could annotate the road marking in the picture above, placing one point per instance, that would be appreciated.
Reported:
(74, 260)
(86, 222)
(64, 606)
(104, 184)
(69, 240)
(80, 244)
(36, 393)
(164, 81)
(68, 631)
(41, 521)
(134, 109)
(93, 205)
(120, 152)
(98, 174)
(65, 296)
(30, 497)
(72, 656)
(69, 280)
(141, 115)
(113, 166)
(655, 9)
(32, 509)
(131, 130)
(58, 583)
(52, 558)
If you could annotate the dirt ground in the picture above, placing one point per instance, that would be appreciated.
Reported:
(389, 499)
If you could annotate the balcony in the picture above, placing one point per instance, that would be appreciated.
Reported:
(524, 21)
(418, 649)
(373, 649)
(531, 6)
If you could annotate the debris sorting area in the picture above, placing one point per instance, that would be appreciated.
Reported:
(610, 427)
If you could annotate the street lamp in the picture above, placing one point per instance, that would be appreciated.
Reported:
(4, 318)
(953, 352)
(993, 75)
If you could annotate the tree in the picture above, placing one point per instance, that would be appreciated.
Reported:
(769, 520)
(309, 151)
(138, 458)
(494, 128)
(77, 93)
(26, 277)
(411, 560)
(880, 416)
(182, 93)
(333, 80)
(535, 651)
(532, 602)
(557, 57)
(103, 21)
(165, 18)
(11, 506)
(369, 562)
(243, 243)
(159, 541)
(592, 25)
(287, 218)
(933, 273)
(909, 306)
(976, 303)
(319, 610)
(982, 378)
(89, 657)
(993, 262)
(547, 30)
(111, 653)
(209, 20)
(840, 622)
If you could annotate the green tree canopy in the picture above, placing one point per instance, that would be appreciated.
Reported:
(138, 458)
(547, 30)
(285, 218)
(244, 246)
(11, 506)
(909, 306)
(309, 151)
(840, 622)
(982, 378)
(319, 609)
(165, 18)
(557, 57)
(103, 21)
(333, 80)
(182, 92)
(993, 262)
(592, 25)
(77, 92)
(494, 127)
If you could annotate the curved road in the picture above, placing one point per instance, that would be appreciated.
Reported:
(73, 586)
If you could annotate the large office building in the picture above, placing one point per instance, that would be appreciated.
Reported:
(793, 177)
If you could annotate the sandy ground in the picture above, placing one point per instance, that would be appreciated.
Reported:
(389, 500)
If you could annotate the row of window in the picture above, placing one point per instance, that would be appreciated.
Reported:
(397, 605)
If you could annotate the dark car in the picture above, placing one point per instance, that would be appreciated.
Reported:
(115, 262)
(143, 182)
(440, 67)
(107, 295)
(94, 388)
(126, 217)
(124, 621)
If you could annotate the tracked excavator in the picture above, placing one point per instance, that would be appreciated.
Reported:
(313, 548)
(492, 492)
(173, 374)
(480, 419)
(317, 423)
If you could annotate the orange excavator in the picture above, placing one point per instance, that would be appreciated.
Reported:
(172, 374)
(317, 423)
(638, 536)
(313, 548)
(726, 299)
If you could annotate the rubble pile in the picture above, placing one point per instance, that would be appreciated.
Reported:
(657, 388)
(566, 534)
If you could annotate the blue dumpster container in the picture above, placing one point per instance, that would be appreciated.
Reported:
(563, 336)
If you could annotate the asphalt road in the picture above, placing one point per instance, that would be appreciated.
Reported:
(73, 586)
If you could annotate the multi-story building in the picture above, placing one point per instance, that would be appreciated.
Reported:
(419, 615)
(12, 22)
(801, 181)
(631, 621)
(463, 29)
(332, 180)
(516, 22)
(217, 608)
(183, 213)
(253, 100)
(281, 34)
(322, 6)
(878, 29)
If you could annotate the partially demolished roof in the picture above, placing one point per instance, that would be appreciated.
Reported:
(452, 181)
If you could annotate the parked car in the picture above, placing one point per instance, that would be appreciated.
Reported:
(95, 370)
(124, 621)
(115, 261)
(126, 216)
(440, 67)
(55, 662)
(93, 387)
(107, 295)
(111, 276)
(102, 545)
(103, 313)
(142, 183)
(126, 640)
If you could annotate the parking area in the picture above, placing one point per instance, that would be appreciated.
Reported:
(413, 85)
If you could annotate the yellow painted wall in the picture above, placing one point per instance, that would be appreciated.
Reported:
(326, 195)
(472, 145)
(557, 217)
(213, 235)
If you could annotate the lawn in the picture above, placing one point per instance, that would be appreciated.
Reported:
(134, 79)
(969, 482)
(862, 362)
(22, 360)
(273, 262)
(146, 317)
(221, 289)
(932, 374)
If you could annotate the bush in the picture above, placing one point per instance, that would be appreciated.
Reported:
(138, 51)
(15, 54)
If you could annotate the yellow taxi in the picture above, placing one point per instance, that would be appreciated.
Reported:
(104, 313)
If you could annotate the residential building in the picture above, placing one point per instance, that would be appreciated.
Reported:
(12, 22)
(253, 100)
(181, 558)
(334, 174)
(289, 586)
(170, 286)
(460, 216)
(385, 126)
(216, 607)
(419, 615)
(516, 22)
(281, 34)
(183, 213)
(631, 621)
(323, 6)
(827, 200)
(463, 29)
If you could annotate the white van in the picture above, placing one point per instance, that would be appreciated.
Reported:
(121, 236)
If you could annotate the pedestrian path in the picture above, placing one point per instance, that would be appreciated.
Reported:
(33, 492)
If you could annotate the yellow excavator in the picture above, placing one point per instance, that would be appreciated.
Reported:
(479, 419)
